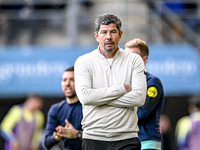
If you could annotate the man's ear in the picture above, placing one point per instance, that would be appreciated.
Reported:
(145, 59)
(96, 36)
(120, 34)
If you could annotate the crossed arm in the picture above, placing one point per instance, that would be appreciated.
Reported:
(116, 95)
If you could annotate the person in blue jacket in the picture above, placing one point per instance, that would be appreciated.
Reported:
(64, 118)
(148, 114)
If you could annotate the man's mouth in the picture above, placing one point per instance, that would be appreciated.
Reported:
(68, 90)
(109, 43)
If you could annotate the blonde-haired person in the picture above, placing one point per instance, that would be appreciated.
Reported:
(148, 114)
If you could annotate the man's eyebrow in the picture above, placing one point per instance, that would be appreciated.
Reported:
(108, 30)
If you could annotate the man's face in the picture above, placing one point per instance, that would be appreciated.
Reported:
(34, 104)
(68, 86)
(137, 51)
(133, 50)
(108, 37)
(38, 104)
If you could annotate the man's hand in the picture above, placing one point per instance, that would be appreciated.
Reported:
(56, 136)
(68, 131)
(128, 88)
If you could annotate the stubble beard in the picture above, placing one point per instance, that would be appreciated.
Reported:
(109, 50)
(71, 96)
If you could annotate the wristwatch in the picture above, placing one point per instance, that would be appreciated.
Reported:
(55, 137)
(79, 135)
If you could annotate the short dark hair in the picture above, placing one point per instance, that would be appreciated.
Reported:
(35, 96)
(195, 100)
(106, 19)
(70, 69)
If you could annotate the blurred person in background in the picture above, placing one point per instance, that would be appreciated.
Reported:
(165, 124)
(188, 127)
(64, 118)
(148, 114)
(22, 126)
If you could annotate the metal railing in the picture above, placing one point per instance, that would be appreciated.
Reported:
(70, 23)
(173, 27)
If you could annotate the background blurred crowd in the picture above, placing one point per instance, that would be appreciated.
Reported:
(68, 22)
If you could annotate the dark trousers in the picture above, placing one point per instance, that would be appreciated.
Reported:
(149, 149)
(128, 144)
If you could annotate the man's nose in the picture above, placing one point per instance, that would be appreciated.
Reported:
(67, 82)
(108, 36)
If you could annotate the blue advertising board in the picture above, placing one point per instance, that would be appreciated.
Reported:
(25, 70)
(178, 67)
(39, 69)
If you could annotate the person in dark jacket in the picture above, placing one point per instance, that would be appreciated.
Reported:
(64, 118)
(148, 114)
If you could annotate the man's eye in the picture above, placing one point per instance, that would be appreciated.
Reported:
(103, 32)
